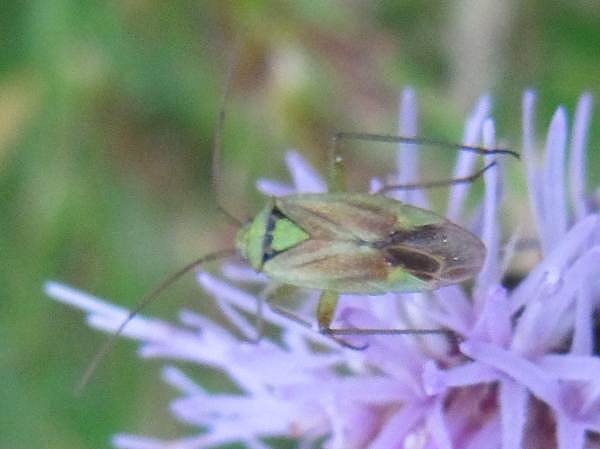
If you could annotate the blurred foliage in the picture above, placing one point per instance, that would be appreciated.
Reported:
(107, 116)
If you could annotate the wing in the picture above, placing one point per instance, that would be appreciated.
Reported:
(342, 266)
(441, 253)
(352, 216)
(360, 243)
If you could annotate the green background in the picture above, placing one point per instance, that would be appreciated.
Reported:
(107, 114)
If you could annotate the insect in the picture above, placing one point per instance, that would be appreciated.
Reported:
(341, 242)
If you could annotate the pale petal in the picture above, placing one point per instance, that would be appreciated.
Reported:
(554, 192)
(306, 179)
(577, 170)
(513, 408)
(466, 160)
(490, 272)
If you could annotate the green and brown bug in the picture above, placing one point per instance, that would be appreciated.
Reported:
(357, 243)
(343, 242)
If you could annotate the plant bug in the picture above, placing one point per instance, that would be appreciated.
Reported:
(343, 242)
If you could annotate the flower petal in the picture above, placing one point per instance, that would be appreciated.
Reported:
(398, 426)
(466, 160)
(554, 194)
(546, 276)
(513, 408)
(407, 155)
(538, 381)
(490, 272)
(437, 425)
(577, 160)
(570, 435)
(306, 179)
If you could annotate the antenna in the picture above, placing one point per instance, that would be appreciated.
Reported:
(155, 293)
(218, 139)
(150, 297)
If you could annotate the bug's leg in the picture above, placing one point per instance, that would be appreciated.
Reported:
(325, 312)
(439, 183)
(259, 322)
(336, 179)
(385, 138)
(326, 309)
(267, 297)
(289, 314)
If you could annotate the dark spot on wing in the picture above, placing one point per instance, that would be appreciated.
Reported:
(412, 261)
(459, 272)
(423, 276)
(419, 235)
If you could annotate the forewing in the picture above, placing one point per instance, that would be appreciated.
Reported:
(442, 253)
(340, 265)
(340, 216)
(372, 244)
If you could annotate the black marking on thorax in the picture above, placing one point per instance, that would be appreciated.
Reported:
(268, 251)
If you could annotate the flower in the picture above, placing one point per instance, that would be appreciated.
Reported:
(522, 374)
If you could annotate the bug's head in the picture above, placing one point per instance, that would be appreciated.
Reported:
(250, 238)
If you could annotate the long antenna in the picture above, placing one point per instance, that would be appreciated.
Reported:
(147, 299)
(218, 139)
(216, 186)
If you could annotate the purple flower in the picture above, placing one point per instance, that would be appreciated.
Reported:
(523, 375)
